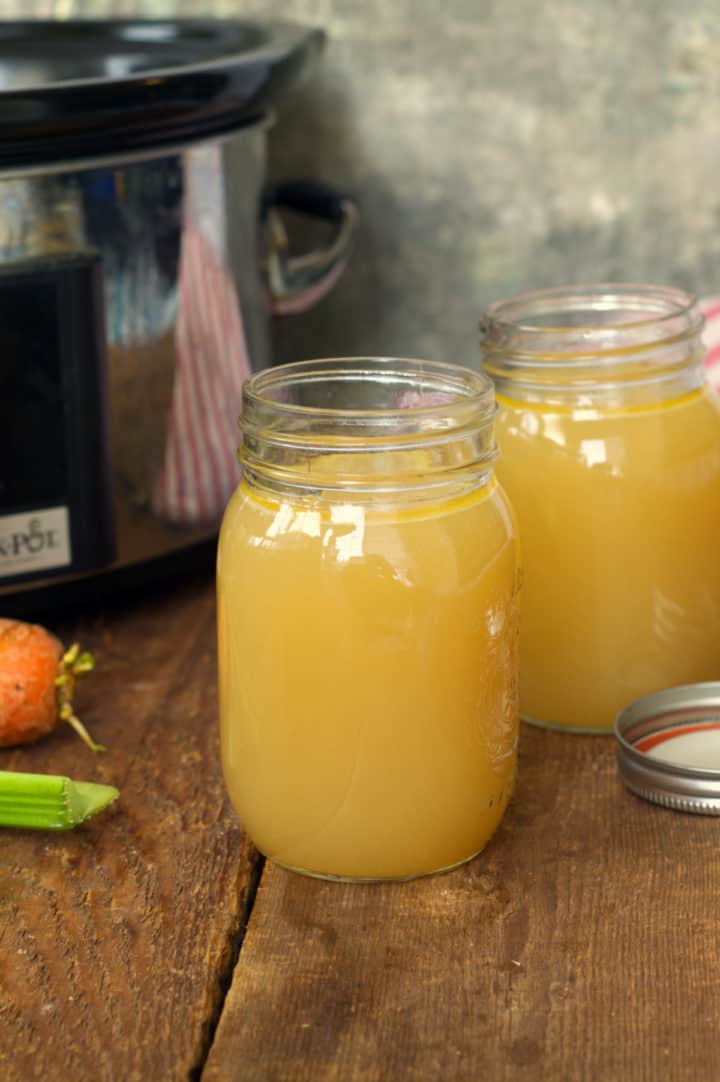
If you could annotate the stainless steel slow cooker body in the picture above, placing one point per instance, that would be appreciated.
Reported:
(141, 256)
(191, 257)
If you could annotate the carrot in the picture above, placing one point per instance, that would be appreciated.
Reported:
(37, 680)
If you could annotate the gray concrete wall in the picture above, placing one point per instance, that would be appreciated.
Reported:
(495, 146)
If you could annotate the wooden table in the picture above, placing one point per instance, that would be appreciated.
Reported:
(154, 944)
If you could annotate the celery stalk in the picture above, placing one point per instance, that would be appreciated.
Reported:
(48, 801)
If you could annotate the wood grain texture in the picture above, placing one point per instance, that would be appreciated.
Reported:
(114, 938)
(582, 945)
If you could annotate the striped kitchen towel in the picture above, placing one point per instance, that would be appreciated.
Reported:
(201, 469)
(711, 311)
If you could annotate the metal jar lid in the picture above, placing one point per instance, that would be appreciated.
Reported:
(668, 747)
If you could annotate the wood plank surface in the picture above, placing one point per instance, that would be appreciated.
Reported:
(583, 945)
(116, 938)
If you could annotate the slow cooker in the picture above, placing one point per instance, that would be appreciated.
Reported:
(141, 256)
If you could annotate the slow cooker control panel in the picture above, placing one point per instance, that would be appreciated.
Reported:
(55, 508)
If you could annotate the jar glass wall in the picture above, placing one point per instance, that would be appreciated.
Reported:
(610, 453)
(367, 581)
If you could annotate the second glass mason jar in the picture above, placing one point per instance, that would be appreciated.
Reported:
(367, 619)
(610, 453)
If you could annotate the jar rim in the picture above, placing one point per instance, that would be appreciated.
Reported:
(460, 386)
(658, 305)
(421, 423)
(593, 342)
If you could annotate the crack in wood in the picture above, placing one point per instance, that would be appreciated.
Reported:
(248, 887)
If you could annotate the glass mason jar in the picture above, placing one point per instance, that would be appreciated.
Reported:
(367, 581)
(610, 453)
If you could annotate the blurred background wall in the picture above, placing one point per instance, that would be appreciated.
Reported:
(493, 146)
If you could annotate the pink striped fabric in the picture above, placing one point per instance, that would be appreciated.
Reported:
(711, 311)
(201, 470)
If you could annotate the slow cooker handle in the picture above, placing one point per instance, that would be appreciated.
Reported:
(297, 282)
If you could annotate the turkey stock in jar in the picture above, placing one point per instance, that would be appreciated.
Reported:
(610, 454)
(367, 579)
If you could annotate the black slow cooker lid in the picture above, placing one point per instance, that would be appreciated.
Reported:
(77, 88)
